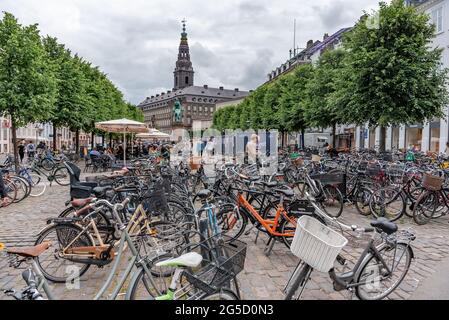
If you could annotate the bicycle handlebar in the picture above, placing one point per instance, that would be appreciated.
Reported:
(341, 225)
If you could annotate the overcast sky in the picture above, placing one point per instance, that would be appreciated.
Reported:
(233, 43)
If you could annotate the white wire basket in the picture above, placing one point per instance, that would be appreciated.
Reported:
(316, 244)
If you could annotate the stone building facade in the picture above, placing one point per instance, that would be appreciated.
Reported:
(198, 102)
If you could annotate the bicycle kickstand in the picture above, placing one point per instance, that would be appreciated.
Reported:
(257, 237)
(269, 246)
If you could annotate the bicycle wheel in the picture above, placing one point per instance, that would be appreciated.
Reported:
(333, 201)
(298, 281)
(22, 188)
(54, 266)
(102, 222)
(425, 207)
(287, 227)
(231, 221)
(388, 203)
(377, 282)
(144, 286)
(38, 184)
(362, 199)
(62, 176)
(47, 164)
(11, 192)
(223, 295)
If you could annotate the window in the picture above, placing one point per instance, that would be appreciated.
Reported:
(187, 80)
(437, 19)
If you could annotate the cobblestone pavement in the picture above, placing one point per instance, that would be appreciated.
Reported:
(263, 278)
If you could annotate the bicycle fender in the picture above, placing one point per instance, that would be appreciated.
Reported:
(50, 224)
(409, 247)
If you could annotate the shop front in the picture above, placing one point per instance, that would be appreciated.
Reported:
(413, 137)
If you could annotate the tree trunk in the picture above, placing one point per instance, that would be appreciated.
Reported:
(382, 138)
(334, 136)
(303, 132)
(54, 137)
(77, 140)
(92, 140)
(14, 142)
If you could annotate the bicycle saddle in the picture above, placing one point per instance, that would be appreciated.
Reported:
(204, 194)
(190, 260)
(30, 252)
(286, 192)
(385, 225)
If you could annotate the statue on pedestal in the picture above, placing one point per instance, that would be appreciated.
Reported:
(177, 112)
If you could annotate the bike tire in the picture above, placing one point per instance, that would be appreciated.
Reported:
(60, 229)
(62, 176)
(408, 253)
(297, 281)
(384, 197)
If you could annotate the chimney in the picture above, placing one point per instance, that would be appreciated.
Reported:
(221, 88)
(236, 89)
(309, 44)
(206, 86)
(326, 35)
(152, 97)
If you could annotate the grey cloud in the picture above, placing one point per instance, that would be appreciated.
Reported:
(234, 43)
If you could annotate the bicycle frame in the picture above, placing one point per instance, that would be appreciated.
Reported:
(269, 224)
(347, 281)
(135, 260)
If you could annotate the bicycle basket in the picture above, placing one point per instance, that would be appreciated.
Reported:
(222, 262)
(326, 178)
(432, 183)
(316, 244)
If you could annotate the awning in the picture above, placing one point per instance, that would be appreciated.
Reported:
(323, 138)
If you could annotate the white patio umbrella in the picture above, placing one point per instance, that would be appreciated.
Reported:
(153, 134)
(122, 126)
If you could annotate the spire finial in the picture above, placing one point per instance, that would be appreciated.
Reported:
(184, 33)
(184, 24)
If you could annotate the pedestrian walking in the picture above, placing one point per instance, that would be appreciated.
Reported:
(21, 151)
(251, 148)
(31, 149)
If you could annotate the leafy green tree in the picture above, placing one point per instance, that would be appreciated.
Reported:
(391, 75)
(27, 82)
(71, 99)
(293, 98)
(319, 109)
(256, 100)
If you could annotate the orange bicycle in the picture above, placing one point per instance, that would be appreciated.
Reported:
(279, 227)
